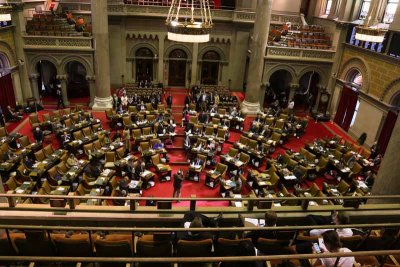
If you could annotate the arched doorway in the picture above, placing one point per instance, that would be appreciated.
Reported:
(77, 85)
(47, 79)
(308, 89)
(279, 86)
(4, 64)
(210, 68)
(354, 77)
(144, 64)
(177, 68)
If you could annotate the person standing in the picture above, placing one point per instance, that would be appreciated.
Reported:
(38, 135)
(60, 101)
(2, 121)
(178, 180)
(127, 140)
(169, 100)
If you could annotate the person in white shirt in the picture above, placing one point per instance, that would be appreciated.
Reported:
(338, 219)
(291, 105)
(331, 244)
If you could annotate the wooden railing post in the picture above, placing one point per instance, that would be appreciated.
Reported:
(71, 201)
(193, 203)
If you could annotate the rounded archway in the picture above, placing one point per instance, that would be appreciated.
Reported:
(47, 78)
(4, 64)
(77, 84)
(279, 86)
(210, 68)
(355, 78)
(396, 100)
(144, 64)
(306, 95)
(177, 68)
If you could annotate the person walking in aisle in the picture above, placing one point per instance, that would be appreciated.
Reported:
(60, 101)
(178, 179)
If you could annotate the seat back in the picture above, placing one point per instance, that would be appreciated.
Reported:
(221, 133)
(46, 117)
(33, 247)
(120, 152)
(202, 248)
(39, 155)
(229, 247)
(33, 119)
(24, 141)
(151, 118)
(221, 168)
(144, 146)
(156, 159)
(343, 187)
(146, 131)
(117, 248)
(221, 111)
(314, 189)
(87, 131)
(74, 246)
(77, 135)
(137, 133)
(273, 246)
(244, 158)
(48, 150)
(209, 131)
(6, 249)
(150, 248)
(215, 121)
(88, 148)
(68, 123)
(232, 152)
(276, 137)
(110, 156)
(243, 140)
(11, 183)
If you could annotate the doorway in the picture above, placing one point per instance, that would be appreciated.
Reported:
(144, 64)
(177, 68)
(210, 68)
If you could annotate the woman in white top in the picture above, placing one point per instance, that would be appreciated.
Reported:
(331, 244)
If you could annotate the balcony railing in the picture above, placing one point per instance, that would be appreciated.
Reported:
(303, 54)
(57, 43)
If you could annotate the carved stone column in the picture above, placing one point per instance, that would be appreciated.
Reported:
(193, 77)
(292, 92)
(160, 75)
(395, 25)
(34, 85)
(345, 10)
(63, 82)
(387, 181)
(19, 97)
(320, 89)
(251, 105)
(18, 21)
(92, 88)
(333, 13)
(103, 99)
(373, 13)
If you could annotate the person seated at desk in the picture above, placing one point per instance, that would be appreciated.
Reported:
(13, 115)
(331, 241)
(38, 135)
(92, 170)
(187, 143)
(369, 179)
(72, 160)
(214, 109)
(352, 161)
(124, 183)
(160, 117)
(160, 129)
(131, 168)
(203, 117)
(120, 193)
(337, 218)
(238, 185)
(197, 222)
(141, 106)
(271, 219)
(234, 112)
(117, 136)
(141, 167)
(65, 138)
(158, 146)
(28, 162)
(196, 162)
(120, 109)
(130, 101)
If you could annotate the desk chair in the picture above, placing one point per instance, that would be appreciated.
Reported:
(47, 187)
(202, 248)
(275, 247)
(24, 142)
(47, 117)
(66, 111)
(57, 114)
(48, 150)
(68, 123)
(35, 246)
(12, 183)
(117, 248)
(147, 131)
(147, 247)
(78, 135)
(33, 120)
(128, 124)
(39, 155)
(164, 170)
(322, 164)
(77, 245)
(110, 159)
(213, 177)
(87, 131)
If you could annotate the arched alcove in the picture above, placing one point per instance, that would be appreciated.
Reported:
(177, 68)
(144, 64)
(308, 89)
(77, 85)
(279, 85)
(47, 78)
(210, 67)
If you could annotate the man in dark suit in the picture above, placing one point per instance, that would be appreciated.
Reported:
(38, 135)
(169, 100)
(178, 180)
(187, 100)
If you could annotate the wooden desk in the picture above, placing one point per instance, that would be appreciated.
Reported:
(147, 179)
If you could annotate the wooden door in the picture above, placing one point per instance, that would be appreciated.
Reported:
(177, 73)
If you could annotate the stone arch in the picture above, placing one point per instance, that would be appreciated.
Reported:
(321, 74)
(358, 64)
(282, 67)
(391, 91)
(79, 59)
(212, 48)
(136, 47)
(33, 62)
(178, 46)
(8, 51)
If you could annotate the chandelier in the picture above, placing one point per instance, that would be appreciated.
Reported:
(370, 34)
(181, 23)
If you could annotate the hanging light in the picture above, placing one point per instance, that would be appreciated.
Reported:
(369, 33)
(182, 26)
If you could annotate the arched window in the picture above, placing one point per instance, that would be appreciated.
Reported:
(328, 7)
(4, 64)
(390, 11)
(211, 55)
(364, 9)
(144, 52)
(354, 76)
(177, 54)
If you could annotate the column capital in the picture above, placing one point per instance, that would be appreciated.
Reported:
(90, 78)
(34, 76)
(62, 77)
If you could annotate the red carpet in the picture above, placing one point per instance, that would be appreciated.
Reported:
(178, 159)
